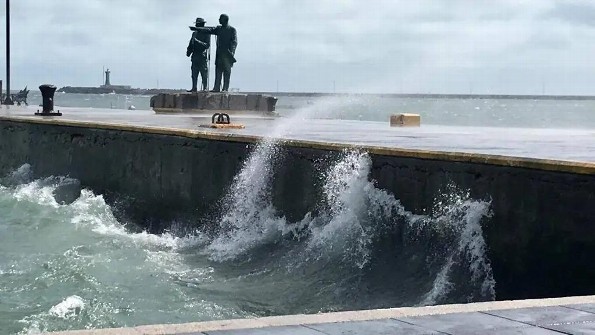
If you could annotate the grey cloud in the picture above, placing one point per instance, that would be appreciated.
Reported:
(548, 40)
(575, 13)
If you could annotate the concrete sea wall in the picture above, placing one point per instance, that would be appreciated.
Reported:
(541, 237)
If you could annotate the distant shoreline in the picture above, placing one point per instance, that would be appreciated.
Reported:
(153, 91)
(115, 90)
(436, 96)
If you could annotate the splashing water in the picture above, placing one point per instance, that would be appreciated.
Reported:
(356, 215)
(460, 217)
(353, 206)
(250, 219)
(22, 175)
(337, 259)
(359, 213)
(323, 108)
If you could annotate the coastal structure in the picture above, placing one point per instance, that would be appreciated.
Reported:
(539, 234)
(107, 88)
(107, 84)
(542, 208)
(107, 79)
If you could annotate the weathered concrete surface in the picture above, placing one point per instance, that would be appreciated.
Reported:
(540, 237)
(571, 315)
(497, 146)
(203, 102)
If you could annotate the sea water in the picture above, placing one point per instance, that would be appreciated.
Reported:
(75, 266)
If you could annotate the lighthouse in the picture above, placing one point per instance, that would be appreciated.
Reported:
(107, 82)
(107, 85)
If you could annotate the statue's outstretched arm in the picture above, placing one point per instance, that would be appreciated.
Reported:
(208, 30)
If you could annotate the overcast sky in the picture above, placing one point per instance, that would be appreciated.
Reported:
(450, 46)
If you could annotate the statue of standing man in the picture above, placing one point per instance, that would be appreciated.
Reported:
(227, 41)
(198, 48)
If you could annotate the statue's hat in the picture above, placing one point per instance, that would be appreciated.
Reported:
(200, 20)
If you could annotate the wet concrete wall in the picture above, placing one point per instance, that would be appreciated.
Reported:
(541, 237)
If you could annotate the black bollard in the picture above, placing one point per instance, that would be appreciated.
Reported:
(271, 102)
(47, 93)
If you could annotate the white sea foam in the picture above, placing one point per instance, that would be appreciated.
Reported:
(92, 211)
(457, 214)
(354, 208)
(473, 246)
(36, 192)
(441, 286)
(249, 219)
(355, 213)
(70, 308)
(22, 175)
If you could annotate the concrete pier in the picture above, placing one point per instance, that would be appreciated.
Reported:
(540, 182)
(540, 235)
(573, 315)
(209, 103)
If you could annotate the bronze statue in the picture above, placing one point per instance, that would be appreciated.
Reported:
(19, 98)
(227, 41)
(198, 48)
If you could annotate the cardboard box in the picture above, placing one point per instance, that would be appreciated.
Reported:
(405, 120)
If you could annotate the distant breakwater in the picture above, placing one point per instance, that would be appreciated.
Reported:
(154, 91)
(108, 90)
(431, 96)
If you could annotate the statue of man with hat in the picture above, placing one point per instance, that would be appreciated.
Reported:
(227, 41)
(198, 48)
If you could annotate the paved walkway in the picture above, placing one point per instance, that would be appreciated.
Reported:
(572, 315)
(557, 144)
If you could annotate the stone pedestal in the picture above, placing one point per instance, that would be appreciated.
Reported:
(209, 103)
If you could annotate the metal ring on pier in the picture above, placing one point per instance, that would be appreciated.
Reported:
(220, 118)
